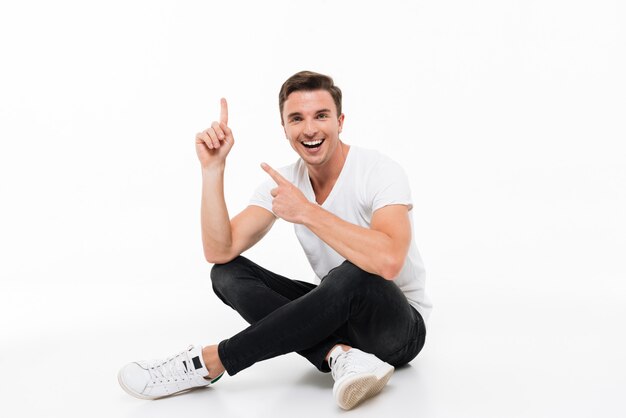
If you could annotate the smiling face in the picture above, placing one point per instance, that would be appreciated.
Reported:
(312, 127)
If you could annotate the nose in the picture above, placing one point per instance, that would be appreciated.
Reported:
(310, 129)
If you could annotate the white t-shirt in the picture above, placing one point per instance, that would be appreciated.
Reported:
(367, 182)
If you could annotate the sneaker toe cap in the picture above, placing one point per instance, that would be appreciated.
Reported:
(134, 377)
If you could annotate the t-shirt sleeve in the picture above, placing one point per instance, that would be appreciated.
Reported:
(388, 184)
(262, 197)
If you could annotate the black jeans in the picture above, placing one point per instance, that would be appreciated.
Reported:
(350, 306)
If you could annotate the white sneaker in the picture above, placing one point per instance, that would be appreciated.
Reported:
(358, 376)
(156, 379)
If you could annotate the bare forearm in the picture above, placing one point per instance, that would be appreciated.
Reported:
(371, 250)
(216, 229)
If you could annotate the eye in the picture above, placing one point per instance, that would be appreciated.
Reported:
(323, 116)
(295, 119)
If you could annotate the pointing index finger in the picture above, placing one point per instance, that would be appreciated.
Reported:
(224, 111)
(275, 175)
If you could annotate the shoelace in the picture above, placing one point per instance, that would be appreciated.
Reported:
(170, 368)
(343, 365)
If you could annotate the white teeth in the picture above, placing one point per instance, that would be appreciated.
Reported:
(312, 143)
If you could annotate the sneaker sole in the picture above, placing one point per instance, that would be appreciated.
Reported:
(359, 388)
(140, 396)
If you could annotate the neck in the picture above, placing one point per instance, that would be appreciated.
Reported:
(326, 175)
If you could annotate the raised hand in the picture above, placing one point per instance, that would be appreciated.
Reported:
(289, 202)
(214, 143)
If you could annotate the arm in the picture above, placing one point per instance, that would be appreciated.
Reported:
(223, 239)
(380, 249)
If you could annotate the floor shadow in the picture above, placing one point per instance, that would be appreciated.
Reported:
(317, 379)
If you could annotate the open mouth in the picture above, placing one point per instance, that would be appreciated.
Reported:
(313, 144)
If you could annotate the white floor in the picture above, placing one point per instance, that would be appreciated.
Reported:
(508, 117)
(520, 357)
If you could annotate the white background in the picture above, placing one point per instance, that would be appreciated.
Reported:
(507, 115)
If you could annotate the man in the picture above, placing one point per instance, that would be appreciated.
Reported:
(350, 210)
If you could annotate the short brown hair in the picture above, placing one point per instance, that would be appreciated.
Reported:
(309, 81)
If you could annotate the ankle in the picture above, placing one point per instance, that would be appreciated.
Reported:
(344, 347)
(212, 361)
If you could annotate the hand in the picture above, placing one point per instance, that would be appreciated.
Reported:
(289, 202)
(214, 143)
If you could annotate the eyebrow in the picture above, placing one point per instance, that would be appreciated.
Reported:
(300, 114)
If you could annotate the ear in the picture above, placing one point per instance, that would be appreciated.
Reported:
(340, 121)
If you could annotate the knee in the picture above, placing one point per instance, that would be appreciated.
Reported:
(225, 275)
(348, 276)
